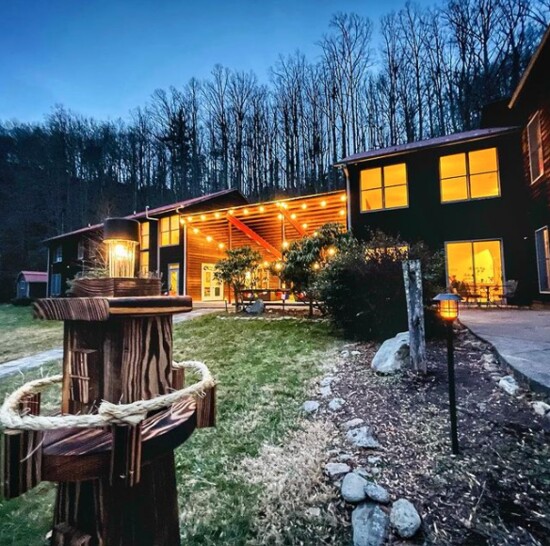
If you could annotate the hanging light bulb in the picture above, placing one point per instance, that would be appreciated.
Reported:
(195, 230)
(182, 220)
(209, 238)
(203, 217)
(331, 251)
(293, 216)
(304, 206)
(286, 244)
(342, 212)
(245, 211)
(316, 265)
(304, 225)
(323, 203)
(280, 216)
(261, 208)
(221, 246)
(266, 263)
(216, 215)
(343, 198)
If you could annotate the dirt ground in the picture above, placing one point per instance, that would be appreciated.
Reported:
(495, 492)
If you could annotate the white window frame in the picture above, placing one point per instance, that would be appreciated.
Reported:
(535, 119)
(58, 254)
(546, 259)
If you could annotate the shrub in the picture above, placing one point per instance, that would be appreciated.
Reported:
(234, 269)
(363, 291)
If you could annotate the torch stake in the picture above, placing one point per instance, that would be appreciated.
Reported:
(452, 395)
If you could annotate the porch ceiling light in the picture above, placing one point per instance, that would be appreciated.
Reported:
(448, 306)
(121, 236)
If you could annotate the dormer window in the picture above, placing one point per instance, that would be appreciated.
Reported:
(534, 142)
(58, 254)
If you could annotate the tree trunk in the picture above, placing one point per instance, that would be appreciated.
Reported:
(412, 276)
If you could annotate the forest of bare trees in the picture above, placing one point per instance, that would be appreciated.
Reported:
(415, 74)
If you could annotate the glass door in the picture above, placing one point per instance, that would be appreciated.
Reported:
(212, 289)
(173, 279)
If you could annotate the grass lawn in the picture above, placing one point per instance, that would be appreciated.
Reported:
(263, 369)
(21, 335)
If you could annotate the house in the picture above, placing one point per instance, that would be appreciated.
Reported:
(31, 285)
(461, 193)
(184, 240)
(529, 107)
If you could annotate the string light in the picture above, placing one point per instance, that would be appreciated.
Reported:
(209, 238)
(343, 198)
(182, 221)
(195, 230)
(280, 216)
(203, 217)
(230, 211)
(304, 206)
(331, 251)
(323, 203)
(286, 244)
(245, 211)
(315, 233)
(316, 265)
(293, 216)
(216, 215)
(278, 266)
(261, 208)
(266, 264)
(342, 212)
(304, 225)
(189, 218)
(221, 246)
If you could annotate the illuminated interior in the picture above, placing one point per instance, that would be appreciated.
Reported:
(169, 231)
(474, 269)
(448, 309)
(471, 175)
(384, 188)
(144, 241)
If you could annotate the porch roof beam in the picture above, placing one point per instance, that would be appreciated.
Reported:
(251, 234)
(296, 225)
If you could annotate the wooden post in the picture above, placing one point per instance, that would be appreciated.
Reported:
(206, 409)
(412, 276)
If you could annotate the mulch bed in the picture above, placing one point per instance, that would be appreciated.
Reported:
(496, 492)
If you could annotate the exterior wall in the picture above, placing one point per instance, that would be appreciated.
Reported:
(427, 219)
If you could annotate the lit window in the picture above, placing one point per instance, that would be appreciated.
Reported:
(534, 142)
(472, 175)
(542, 242)
(400, 252)
(144, 236)
(474, 269)
(169, 231)
(384, 188)
(81, 250)
(144, 262)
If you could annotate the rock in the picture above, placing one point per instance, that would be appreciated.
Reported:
(509, 384)
(345, 354)
(325, 391)
(496, 377)
(374, 471)
(353, 423)
(326, 381)
(311, 406)
(362, 437)
(345, 457)
(355, 353)
(541, 408)
(336, 404)
(257, 308)
(336, 470)
(373, 460)
(353, 488)
(370, 525)
(404, 518)
(314, 512)
(377, 493)
(363, 472)
(393, 354)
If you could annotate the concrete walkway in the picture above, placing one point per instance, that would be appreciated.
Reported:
(34, 361)
(521, 338)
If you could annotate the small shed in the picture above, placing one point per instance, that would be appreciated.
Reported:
(31, 285)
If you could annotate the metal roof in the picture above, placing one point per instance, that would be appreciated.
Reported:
(153, 212)
(33, 276)
(455, 138)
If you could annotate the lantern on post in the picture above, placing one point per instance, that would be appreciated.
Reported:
(448, 311)
(121, 236)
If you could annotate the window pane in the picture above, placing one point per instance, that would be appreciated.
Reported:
(483, 161)
(371, 200)
(174, 222)
(454, 189)
(452, 165)
(484, 185)
(543, 259)
(371, 178)
(395, 175)
(488, 264)
(460, 267)
(165, 238)
(396, 196)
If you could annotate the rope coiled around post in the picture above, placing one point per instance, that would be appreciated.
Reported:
(107, 414)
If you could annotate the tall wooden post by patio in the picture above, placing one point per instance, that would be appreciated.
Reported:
(117, 484)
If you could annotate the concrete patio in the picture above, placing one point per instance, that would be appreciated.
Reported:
(521, 338)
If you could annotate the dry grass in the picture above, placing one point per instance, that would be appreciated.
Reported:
(292, 505)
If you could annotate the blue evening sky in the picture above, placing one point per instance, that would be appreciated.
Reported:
(103, 58)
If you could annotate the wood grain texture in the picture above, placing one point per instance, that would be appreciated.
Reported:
(90, 309)
(125, 455)
(206, 409)
(115, 287)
